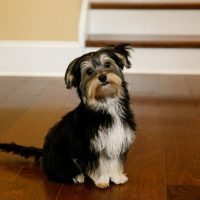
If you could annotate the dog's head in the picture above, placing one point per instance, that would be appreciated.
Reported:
(98, 75)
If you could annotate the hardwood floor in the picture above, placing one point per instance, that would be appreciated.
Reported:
(163, 163)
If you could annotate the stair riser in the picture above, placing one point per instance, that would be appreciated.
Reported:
(185, 22)
(163, 61)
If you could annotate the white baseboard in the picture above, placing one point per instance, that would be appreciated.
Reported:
(36, 58)
(51, 59)
(166, 61)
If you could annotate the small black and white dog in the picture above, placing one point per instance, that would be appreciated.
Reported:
(93, 139)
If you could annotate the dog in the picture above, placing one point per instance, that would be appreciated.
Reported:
(93, 139)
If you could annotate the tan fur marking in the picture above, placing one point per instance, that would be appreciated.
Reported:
(92, 87)
(69, 80)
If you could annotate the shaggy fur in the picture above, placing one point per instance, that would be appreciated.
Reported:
(93, 139)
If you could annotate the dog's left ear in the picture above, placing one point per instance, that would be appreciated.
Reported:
(123, 53)
(72, 74)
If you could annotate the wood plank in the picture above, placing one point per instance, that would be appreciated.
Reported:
(31, 184)
(18, 98)
(146, 41)
(186, 192)
(8, 174)
(146, 5)
(193, 83)
(181, 138)
(9, 85)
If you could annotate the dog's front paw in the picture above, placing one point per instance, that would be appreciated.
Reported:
(79, 179)
(119, 179)
(102, 185)
(102, 182)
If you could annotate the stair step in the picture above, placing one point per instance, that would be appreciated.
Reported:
(146, 5)
(147, 41)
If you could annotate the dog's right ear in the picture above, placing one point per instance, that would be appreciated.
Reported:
(123, 53)
(72, 75)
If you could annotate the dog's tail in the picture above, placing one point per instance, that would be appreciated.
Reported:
(22, 150)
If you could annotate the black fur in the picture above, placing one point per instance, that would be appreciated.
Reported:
(69, 139)
(21, 150)
(66, 152)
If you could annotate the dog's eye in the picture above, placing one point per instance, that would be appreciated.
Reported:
(89, 71)
(107, 65)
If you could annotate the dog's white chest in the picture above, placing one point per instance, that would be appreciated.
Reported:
(114, 140)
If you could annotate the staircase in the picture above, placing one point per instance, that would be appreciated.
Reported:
(168, 30)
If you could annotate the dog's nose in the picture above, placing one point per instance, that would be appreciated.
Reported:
(102, 78)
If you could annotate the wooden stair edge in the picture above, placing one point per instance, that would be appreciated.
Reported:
(155, 41)
(145, 5)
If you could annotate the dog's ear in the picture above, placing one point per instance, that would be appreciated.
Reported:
(72, 74)
(123, 53)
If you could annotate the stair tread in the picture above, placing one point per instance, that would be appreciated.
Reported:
(145, 5)
(175, 41)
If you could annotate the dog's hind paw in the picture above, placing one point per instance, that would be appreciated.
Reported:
(79, 179)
